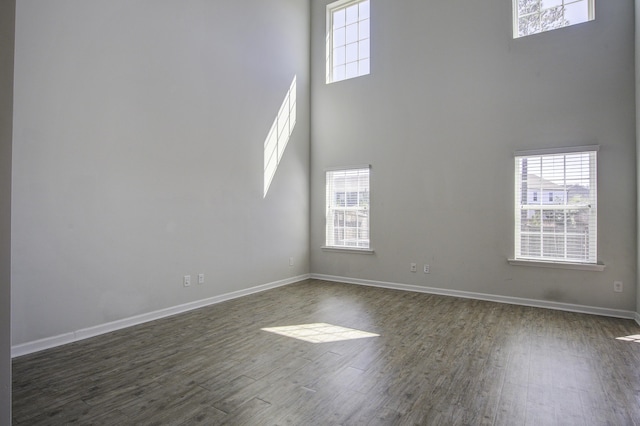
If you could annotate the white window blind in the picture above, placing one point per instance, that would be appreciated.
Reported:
(562, 225)
(347, 215)
(347, 39)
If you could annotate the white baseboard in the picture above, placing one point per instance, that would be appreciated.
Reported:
(616, 313)
(63, 339)
(85, 333)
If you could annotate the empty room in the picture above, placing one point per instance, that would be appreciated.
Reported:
(301, 212)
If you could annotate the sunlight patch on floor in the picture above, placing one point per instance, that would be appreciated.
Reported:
(320, 332)
(633, 338)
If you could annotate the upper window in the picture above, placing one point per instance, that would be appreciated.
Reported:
(563, 226)
(347, 39)
(348, 208)
(536, 16)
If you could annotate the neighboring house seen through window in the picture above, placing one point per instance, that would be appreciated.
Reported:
(347, 208)
(562, 227)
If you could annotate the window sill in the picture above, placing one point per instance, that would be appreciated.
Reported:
(348, 250)
(598, 267)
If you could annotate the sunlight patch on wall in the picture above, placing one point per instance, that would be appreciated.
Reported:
(320, 332)
(278, 137)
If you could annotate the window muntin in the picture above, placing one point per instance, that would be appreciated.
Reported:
(348, 44)
(347, 208)
(563, 226)
(536, 16)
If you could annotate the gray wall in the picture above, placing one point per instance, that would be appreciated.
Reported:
(138, 156)
(7, 14)
(450, 97)
(637, 57)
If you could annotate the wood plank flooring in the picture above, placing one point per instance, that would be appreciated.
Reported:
(438, 361)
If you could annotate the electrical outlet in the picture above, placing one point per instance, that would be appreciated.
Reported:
(426, 269)
(413, 267)
(291, 261)
(617, 286)
(200, 278)
(186, 280)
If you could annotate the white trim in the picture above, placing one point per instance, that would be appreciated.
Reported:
(568, 307)
(340, 4)
(85, 333)
(332, 8)
(551, 151)
(598, 267)
(348, 249)
(339, 168)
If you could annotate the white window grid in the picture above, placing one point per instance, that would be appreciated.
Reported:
(562, 227)
(348, 40)
(537, 16)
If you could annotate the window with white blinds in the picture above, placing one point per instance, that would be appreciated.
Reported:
(556, 206)
(347, 215)
(347, 39)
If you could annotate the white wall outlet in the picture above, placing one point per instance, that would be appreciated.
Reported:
(617, 286)
(426, 269)
(413, 267)
(186, 280)
(291, 261)
(200, 278)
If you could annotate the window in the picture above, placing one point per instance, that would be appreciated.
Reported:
(348, 208)
(347, 39)
(537, 16)
(562, 228)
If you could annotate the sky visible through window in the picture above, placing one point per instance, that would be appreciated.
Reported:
(348, 45)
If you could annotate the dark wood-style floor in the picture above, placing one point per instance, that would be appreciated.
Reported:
(438, 361)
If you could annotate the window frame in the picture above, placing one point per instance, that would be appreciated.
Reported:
(330, 209)
(332, 8)
(516, 16)
(590, 261)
